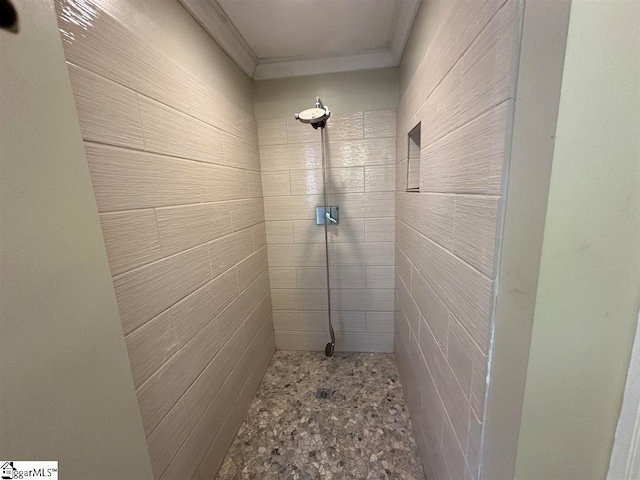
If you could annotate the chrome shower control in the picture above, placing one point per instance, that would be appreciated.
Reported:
(330, 216)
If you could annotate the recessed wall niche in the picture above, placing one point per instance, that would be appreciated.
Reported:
(413, 162)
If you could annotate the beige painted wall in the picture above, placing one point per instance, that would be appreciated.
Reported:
(457, 81)
(67, 393)
(173, 157)
(530, 152)
(589, 286)
(342, 92)
(360, 140)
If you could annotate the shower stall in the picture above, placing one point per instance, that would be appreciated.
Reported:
(265, 266)
(329, 210)
(210, 287)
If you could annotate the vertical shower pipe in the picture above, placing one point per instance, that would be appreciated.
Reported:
(318, 117)
(329, 347)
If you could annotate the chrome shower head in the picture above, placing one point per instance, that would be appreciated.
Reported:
(317, 117)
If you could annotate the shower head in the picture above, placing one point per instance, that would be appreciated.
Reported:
(312, 115)
(317, 116)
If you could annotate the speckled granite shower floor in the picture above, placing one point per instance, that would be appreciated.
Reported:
(326, 418)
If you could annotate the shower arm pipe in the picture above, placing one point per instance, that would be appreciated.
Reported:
(326, 227)
(318, 117)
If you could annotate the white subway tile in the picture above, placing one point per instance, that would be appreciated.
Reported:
(171, 132)
(259, 236)
(283, 277)
(114, 52)
(196, 311)
(279, 232)
(345, 342)
(407, 305)
(433, 309)
(291, 208)
(150, 346)
(359, 205)
(345, 126)
(362, 254)
(165, 441)
(380, 277)
(433, 216)
(298, 132)
(251, 267)
(453, 452)
(276, 183)
(380, 229)
(362, 299)
(343, 321)
(246, 213)
(380, 178)
(380, 322)
(285, 320)
(183, 227)
(127, 179)
(239, 153)
(380, 123)
(349, 230)
(403, 266)
(338, 180)
(227, 251)
(299, 299)
(233, 316)
(290, 157)
(340, 277)
(357, 153)
(297, 255)
(254, 179)
(108, 112)
(272, 131)
(206, 103)
(475, 230)
(460, 353)
(219, 183)
(131, 239)
(145, 292)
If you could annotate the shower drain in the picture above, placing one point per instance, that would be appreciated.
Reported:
(324, 393)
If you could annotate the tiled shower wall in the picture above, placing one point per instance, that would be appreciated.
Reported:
(360, 156)
(176, 177)
(458, 87)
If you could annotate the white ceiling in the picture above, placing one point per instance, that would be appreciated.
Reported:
(285, 38)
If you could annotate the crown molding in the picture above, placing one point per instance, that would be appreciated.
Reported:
(216, 23)
(317, 66)
(212, 18)
(402, 29)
